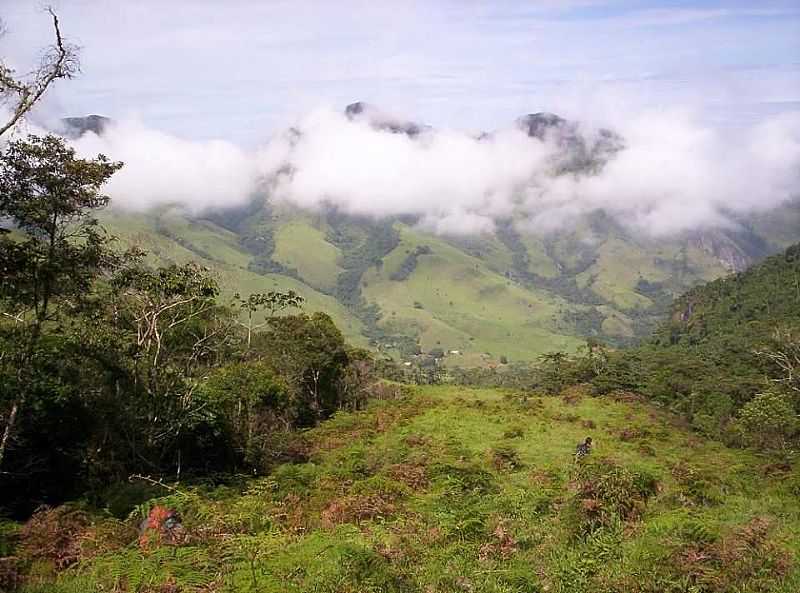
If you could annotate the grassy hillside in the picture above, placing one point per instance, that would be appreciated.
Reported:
(171, 238)
(400, 289)
(450, 299)
(449, 490)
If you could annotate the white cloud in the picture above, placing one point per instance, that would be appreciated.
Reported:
(160, 168)
(675, 174)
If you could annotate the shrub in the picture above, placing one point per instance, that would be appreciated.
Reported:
(375, 497)
(514, 432)
(462, 479)
(250, 403)
(505, 458)
(120, 498)
(54, 535)
(9, 536)
(606, 493)
(744, 559)
(695, 486)
(769, 420)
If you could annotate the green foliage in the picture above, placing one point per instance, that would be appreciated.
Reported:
(409, 263)
(251, 402)
(696, 486)
(310, 354)
(769, 420)
(47, 268)
(404, 496)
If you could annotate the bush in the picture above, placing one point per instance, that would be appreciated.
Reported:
(744, 559)
(505, 458)
(695, 486)
(514, 432)
(54, 535)
(249, 402)
(606, 493)
(309, 353)
(769, 420)
(121, 498)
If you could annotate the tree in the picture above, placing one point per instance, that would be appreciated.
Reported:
(309, 352)
(251, 402)
(47, 266)
(169, 328)
(59, 61)
(553, 372)
(783, 354)
(271, 303)
(769, 420)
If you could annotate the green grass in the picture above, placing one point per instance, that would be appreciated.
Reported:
(451, 297)
(419, 495)
(300, 246)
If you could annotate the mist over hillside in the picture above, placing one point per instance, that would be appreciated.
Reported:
(505, 243)
(656, 173)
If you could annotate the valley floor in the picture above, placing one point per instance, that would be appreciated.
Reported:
(450, 489)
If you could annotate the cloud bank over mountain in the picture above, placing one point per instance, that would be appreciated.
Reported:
(163, 169)
(672, 174)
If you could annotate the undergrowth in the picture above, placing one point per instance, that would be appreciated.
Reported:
(448, 490)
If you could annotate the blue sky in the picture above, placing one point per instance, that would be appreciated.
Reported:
(241, 69)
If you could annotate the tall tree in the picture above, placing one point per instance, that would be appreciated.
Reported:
(173, 328)
(271, 303)
(51, 248)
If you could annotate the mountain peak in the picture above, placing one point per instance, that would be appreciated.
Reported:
(537, 125)
(75, 127)
(380, 120)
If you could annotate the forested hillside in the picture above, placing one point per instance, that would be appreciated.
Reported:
(726, 358)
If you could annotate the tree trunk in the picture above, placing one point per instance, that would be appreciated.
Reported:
(9, 428)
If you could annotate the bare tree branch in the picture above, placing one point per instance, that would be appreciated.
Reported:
(59, 61)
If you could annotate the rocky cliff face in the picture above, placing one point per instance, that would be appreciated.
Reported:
(723, 248)
(581, 150)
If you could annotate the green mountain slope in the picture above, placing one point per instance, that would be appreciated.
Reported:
(712, 355)
(748, 305)
(169, 237)
(403, 290)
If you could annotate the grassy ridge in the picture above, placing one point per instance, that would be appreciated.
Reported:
(452, 300)
(450, 489)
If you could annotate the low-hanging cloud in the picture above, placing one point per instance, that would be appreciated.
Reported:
(674, 173)
(454, 181)
(678, 175)
(163, 169)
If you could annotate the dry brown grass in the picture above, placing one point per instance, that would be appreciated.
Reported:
(744, 559)
(357, 508)
(54, 535)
